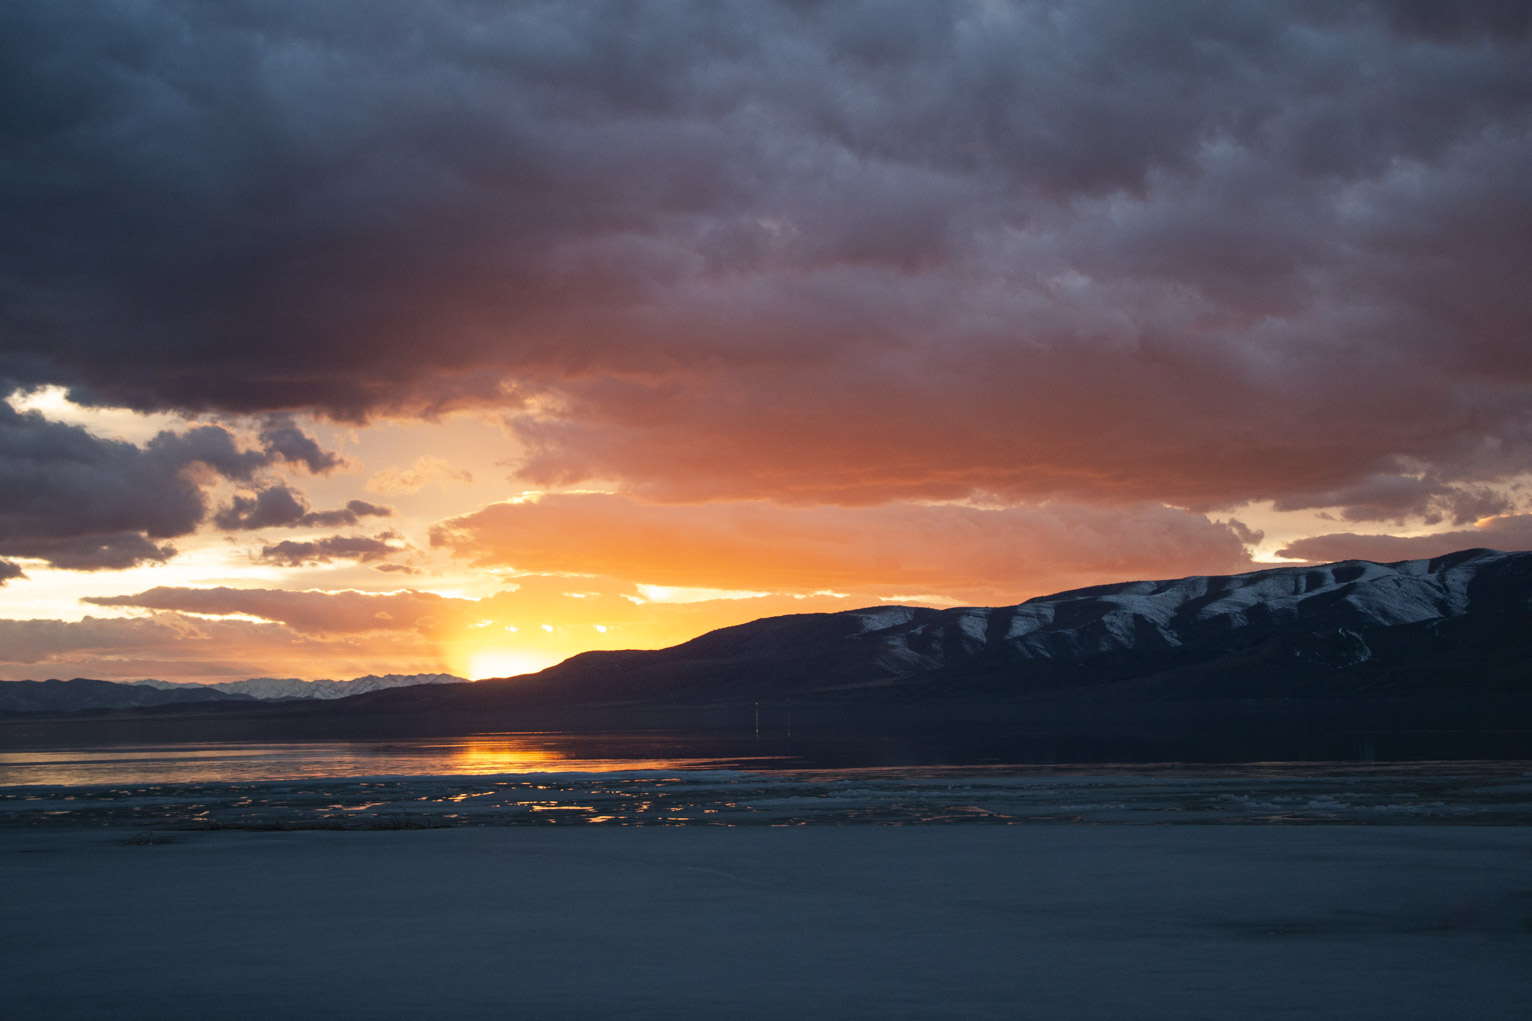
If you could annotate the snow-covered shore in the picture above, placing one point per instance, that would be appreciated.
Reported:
(859, 921)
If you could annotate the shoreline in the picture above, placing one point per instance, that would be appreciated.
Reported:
(657, 794)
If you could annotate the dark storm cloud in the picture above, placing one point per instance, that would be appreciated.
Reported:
(1506, 19)
(82, 502)
(1201, 252)
(290, 553)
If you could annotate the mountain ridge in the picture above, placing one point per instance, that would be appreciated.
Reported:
(84, 693)
(1307, 630)
(1454, 627)
(295, 687)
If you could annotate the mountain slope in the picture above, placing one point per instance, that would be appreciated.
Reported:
(1454, 624)
(1456, 627)
(82, 693)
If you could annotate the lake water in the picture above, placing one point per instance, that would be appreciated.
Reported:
(534, 779)
(214, 762)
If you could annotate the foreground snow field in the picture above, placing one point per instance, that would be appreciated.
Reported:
(849, 921)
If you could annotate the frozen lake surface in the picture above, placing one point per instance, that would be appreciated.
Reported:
(877, 922)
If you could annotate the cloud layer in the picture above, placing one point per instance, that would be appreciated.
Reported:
(317, 613)
(173, 646)
(1513, 532)
(1193, 252)
(978, 556)
(787, 291)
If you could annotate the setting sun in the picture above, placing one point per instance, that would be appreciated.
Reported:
(487, 663)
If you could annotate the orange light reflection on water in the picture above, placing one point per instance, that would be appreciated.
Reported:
(240, 762)
(503, 754)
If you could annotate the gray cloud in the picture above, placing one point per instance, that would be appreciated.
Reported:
(1400, 497)
(285, 440)
(307, 612)
(280, 506)
(1475, 19)
(1191, 251)
(175, 647)
(1513, 532)
(92, 552)
(86, 503)
(274, 506)
(37, 641)
(290, 553)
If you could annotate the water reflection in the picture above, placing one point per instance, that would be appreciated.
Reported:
(528, 753)
(491, 754)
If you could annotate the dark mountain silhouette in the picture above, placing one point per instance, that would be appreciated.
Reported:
(1291, 662)
(1456, 625)
(82, 694)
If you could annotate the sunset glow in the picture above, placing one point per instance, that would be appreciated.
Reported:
(499, 662)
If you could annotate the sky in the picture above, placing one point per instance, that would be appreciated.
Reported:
(398, 337)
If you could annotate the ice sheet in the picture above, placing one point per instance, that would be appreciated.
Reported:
(877, 922)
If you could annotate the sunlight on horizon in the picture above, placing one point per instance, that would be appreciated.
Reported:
(486, 663)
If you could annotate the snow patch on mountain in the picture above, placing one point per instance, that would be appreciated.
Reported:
(1168, 614)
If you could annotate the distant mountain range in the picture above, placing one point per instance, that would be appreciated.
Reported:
(293, 687)
(1457, 627)
(84, 693)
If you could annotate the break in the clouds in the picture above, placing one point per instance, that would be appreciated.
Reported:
(425, 472)
(1194, 252)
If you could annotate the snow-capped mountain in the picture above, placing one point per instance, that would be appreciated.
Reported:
(1461, 620)
(1457, 626)
(293, 687)
(1342, 599)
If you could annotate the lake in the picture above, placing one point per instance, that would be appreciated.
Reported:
(514, 779)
